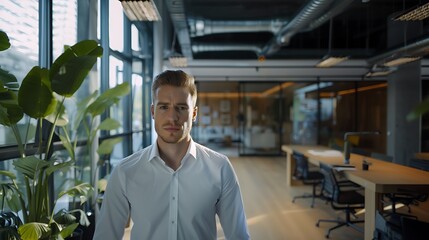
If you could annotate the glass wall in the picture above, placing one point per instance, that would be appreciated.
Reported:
(247, 118)
(262, 112)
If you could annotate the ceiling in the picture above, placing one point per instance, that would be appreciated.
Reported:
(281, 39)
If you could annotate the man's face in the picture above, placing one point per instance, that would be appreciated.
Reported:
(173, 112)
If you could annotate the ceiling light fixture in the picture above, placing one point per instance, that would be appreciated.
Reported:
(378, 73)
(401, 60)
(414, 14)
(176, 59)
(380, 70)
(141, 10)
(329, 60)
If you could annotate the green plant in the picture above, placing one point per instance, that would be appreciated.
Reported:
(41, 96)
(88, 109)
(419, 110)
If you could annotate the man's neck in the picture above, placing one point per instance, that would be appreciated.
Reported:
(173, 153)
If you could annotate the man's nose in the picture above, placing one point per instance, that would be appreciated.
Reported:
(173, 114)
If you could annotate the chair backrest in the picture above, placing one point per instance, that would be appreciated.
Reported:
(422, 164)
(329, 183)
(301, 165)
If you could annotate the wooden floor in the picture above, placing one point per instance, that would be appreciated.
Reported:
(271, 215)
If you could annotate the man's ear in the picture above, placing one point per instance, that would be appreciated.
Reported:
(152, 111)
(194, 114)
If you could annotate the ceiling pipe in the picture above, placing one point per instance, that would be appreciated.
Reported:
(334, 11)
(202, 27)
(311, 11)
(178, 17)
(232, 47)
(419, 48)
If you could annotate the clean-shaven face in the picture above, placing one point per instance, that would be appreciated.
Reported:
(173, 112)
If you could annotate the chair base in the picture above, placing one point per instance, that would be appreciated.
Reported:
(341, 223)
(313, 195)
(313, 198)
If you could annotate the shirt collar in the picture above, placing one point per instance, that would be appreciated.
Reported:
(192, 151)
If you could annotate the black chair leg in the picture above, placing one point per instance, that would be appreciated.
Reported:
(348, 222)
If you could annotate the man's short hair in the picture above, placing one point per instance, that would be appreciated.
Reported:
(176, 78)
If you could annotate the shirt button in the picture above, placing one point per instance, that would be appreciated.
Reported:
(174, 198)
(172, 222)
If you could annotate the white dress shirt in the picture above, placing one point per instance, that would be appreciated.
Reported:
(175, 205)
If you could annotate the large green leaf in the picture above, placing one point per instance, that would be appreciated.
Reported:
(82, 190)
(70, 68)
(59, 166)
(108, 98)
(64, 217)
(109, 124)
(10, 195)
(83, 219)
(4, 41)
(106, 147)
(30, 166)
(33, 231)
(68, 230)
(10, 111)
(8, 174)
(71, 75)
(7, 81)
(35, 95)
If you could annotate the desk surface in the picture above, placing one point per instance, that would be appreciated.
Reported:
(381, 177)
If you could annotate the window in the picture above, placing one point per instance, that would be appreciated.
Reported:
(19, 19)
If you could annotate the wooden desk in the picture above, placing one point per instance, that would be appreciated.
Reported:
(382, 177)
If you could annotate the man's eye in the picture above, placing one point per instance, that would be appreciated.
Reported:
(163, 107)
(182, 108)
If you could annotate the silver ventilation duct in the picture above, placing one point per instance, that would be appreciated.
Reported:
(199, 27)
(334, 11)
(178, 17)
(313, 15)
(310, 12)
(216, 47)
(418, 48)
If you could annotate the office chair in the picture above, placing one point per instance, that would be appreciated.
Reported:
(413, 229)
(344, 195)
(309, 177)
(422, 164)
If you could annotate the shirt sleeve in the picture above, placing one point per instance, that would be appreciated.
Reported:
(230, 207)
(115, 209)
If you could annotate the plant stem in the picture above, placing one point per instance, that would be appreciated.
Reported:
(21, 148)
(51, 133)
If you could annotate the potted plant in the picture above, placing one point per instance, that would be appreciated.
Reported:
(85, 119)
(41, 96)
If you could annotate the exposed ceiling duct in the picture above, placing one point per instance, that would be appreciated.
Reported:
(201, 27)
(310, 17)
(231, 47)
(178, 17)
(418, 48)
(332, 12)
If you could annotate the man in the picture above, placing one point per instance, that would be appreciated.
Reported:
(174, 188)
